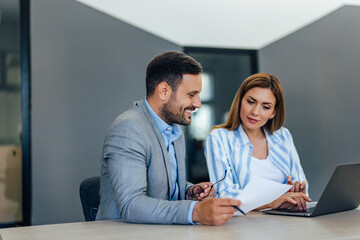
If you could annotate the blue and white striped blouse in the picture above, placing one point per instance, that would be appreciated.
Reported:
(232, 150)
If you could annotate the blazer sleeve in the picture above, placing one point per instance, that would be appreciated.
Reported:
(125, 152)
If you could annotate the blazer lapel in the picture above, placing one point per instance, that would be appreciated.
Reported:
(160, 139)
(180, 159)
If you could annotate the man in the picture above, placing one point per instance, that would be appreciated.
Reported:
(143, 162)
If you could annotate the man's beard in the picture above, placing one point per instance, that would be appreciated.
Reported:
(172, 113)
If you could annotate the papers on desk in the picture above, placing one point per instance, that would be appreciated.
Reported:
(260, 191)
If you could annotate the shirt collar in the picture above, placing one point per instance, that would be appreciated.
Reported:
(172, 131)
(270, 138)
(243, 136)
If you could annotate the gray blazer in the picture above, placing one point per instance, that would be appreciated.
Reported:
(135, 183)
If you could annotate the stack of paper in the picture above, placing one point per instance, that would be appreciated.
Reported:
(260, 191)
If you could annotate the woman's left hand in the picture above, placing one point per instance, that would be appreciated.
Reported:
(296, 186)
(291, 199)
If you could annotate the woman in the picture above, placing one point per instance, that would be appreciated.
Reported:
(253, 142)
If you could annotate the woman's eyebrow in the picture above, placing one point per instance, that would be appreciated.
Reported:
(252, 98)
(269, 103)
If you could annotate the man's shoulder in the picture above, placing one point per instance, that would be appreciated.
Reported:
(133, 114)
(132, 118)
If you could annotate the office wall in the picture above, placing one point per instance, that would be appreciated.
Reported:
(87, 68)
(318, 67)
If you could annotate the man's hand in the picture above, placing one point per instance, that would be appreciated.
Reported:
(296, 186)
(214, 211)
(200, 191)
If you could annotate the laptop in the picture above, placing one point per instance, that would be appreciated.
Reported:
(342, 193)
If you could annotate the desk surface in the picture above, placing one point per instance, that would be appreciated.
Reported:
(256, 225)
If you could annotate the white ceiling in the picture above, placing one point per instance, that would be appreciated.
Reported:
(243, 24)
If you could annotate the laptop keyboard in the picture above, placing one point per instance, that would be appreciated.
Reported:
(308, 210)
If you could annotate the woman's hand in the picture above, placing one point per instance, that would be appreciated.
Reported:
(296, 186)
(291, 199)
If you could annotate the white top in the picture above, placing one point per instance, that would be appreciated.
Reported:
(267, 169)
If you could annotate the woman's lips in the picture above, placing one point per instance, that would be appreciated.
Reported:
(252, 120)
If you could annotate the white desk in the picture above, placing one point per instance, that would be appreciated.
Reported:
(256, 225)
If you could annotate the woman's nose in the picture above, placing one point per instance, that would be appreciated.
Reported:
(255, 110)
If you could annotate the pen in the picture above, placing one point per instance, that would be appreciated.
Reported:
(237, 208)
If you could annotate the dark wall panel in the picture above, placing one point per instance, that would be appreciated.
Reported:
(87, 68)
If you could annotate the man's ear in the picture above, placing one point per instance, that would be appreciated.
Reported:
(164, 91)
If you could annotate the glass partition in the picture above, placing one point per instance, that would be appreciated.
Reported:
(12, 117)
(223, 72)
(10, 114)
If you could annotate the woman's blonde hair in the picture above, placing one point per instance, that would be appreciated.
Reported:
(263, 80)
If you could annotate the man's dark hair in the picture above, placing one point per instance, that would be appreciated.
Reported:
(169, 67)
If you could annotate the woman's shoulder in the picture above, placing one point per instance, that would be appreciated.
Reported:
(222, 133)
(283, 134)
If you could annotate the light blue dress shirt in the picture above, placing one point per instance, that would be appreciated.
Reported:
(232, 151)
(170, 133)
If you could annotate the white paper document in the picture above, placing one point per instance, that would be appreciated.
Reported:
(260, 191)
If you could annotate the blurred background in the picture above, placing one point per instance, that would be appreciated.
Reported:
(68, 68)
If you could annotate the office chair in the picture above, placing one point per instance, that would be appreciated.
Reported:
(90, 198)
